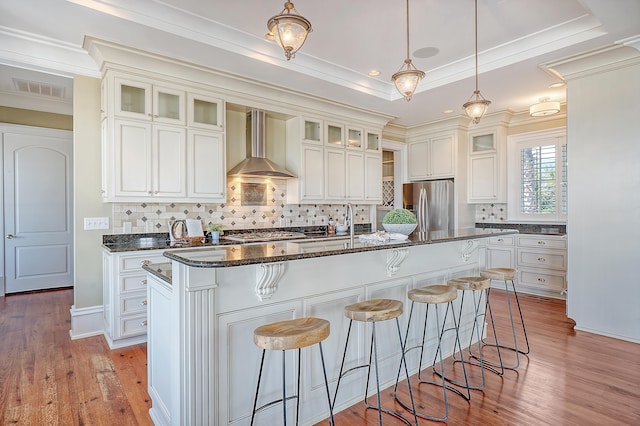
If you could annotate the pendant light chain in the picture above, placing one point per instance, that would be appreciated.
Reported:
(476, 31)
(407, 29)
(408, 76)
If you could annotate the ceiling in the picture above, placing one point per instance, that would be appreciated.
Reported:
(515, 39)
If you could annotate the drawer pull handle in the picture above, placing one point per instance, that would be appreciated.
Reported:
(143, 303)
(541, 280)
(500, 240)
(541, 259)
(144, 282)
(146, 262)
(144, 323)
(541, 243)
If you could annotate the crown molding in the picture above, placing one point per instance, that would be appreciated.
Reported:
(595, 61)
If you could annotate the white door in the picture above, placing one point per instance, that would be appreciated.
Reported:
(38, 225)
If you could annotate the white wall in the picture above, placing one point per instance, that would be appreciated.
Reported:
(604, 199)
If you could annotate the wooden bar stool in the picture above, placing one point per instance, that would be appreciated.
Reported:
(480, 288)
(284, 335)
(434, 295)
(373, 311)
(509, 274)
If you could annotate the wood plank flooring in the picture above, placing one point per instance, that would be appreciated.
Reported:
(570, 377)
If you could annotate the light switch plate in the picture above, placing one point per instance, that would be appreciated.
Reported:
(92, 223)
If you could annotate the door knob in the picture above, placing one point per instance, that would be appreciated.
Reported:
(10, 236)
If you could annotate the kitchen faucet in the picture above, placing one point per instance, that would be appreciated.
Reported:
(349, 217)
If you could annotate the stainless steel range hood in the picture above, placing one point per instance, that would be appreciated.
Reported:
(258, 165)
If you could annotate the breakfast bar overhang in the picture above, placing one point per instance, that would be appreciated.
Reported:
(205, 304)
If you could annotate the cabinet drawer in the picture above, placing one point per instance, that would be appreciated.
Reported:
(503, 240)
(133, 304)
(542, 241)
(553, 259)
(133, 326)
(131, 283)
(134, 263)
(543, 279)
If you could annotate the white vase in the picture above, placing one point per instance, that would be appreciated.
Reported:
(400, 228)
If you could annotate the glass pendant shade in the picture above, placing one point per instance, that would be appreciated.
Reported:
(289, 30)
(476, 107)
(407, 80)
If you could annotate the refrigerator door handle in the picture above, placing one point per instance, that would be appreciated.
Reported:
(422, 211)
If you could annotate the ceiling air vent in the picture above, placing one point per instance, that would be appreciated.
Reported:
(41, 89)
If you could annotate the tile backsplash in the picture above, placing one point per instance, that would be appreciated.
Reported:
(491, 213)
(275, 213)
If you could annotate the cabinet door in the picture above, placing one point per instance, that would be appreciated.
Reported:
(483, 178)
(132, 165)
(312, 173)
(372, 141)
(354, 138)
(373, 177)
(442, 157)
(206, 165)
(501, 257)
(355, 175)
(205, 112)
(133, 98)
(312, 130)
(335, 174)
(169, 160)
(334, 134)
(418, 160)
(168, 105)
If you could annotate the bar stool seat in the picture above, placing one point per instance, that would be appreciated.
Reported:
(433, 294)
(284, 335)
(499, 274)
(292, 334)
(470, 283)
(373, 311)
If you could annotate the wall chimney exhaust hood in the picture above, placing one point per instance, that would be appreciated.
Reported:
(258, 165)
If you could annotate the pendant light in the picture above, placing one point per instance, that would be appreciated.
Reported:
(476, 106)
(289, 29)
(408, 76)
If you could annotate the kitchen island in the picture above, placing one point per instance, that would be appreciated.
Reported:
(205, 304)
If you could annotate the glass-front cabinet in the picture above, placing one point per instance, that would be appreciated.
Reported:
(312, 130)
(335, 134)
(483, 143)
(205, 112)
(354, 138)
(372, 141)
(144, 101)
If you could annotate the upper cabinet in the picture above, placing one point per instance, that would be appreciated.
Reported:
(486, 165)
(433, 158)
(333, 161)
(161, 140)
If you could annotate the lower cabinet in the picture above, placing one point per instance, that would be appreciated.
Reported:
(541, 261)
(125, 296)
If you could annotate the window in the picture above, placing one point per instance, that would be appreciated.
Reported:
(538, 164)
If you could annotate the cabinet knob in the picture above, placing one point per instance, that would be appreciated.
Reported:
(541, 259)
(144, 323)
(541, 280)
(500, 240)
(541, 243)
(144, 282)
(146, 262)
(143, 303)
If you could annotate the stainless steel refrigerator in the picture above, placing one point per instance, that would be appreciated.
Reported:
(432, 202)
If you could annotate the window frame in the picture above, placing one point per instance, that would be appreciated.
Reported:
(515, 144)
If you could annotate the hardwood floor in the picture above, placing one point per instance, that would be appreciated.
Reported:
(570, 377)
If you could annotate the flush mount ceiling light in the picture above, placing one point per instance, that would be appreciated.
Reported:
(408, 76)
(544, 108)
(289, 29)
(476, 106)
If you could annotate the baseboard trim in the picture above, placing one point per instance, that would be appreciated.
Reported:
(86, 322)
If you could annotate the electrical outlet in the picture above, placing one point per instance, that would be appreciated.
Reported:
(93, 223)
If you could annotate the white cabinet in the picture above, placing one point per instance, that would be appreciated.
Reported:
(206, 170)
(486, 166)
(334, 162)
(151, 160)
(433, 158)
(539, 259)
(125, 296)
(161, 140)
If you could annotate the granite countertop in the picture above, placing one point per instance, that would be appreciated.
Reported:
(160, 270)
(247, 254)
